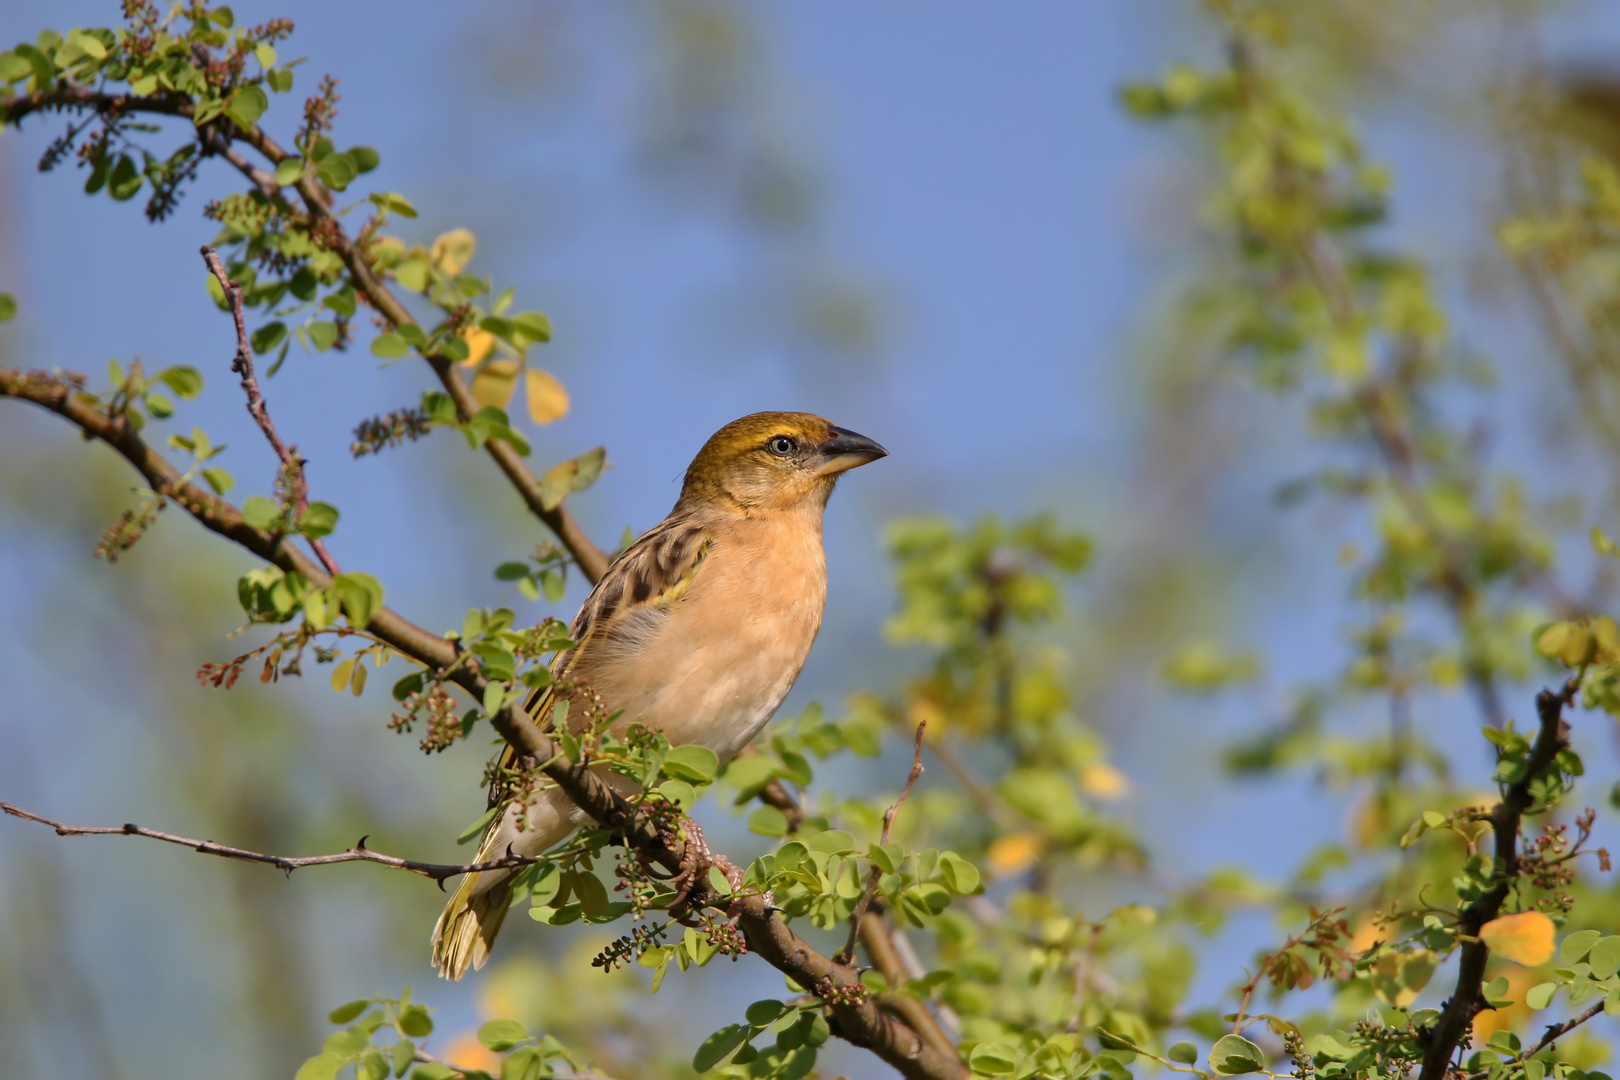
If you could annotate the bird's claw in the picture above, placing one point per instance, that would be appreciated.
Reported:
(692, 881)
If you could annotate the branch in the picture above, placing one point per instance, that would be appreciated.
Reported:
(847, 953)
(857, 1021)
(1553, 1033)
(592, 560)
(292, 465)
(359, 853)
(1466, 1001)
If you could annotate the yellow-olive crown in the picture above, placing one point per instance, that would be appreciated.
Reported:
(774, 460)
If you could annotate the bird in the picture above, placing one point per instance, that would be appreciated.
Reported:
(697, 630)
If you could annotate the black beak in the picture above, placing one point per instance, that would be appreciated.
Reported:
(845, 450)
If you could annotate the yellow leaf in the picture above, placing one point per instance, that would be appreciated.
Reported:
(453, 250)
(548, 400)
(1525, 938)
(1104, 782)
(480, 343)
(342, 674)
(358, 685)
(1015, 852)
(494, 383)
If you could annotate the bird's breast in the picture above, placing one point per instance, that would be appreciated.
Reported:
(728, 651)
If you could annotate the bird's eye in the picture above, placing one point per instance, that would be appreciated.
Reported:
(782, 445)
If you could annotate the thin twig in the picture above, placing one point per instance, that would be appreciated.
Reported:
(1553, 1033)
(1466, 1000)
(292, 465)
(847, 954)
(359, 853)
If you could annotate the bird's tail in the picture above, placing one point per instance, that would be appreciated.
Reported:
(467, 927)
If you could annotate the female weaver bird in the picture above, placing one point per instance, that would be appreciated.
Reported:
(697, 630)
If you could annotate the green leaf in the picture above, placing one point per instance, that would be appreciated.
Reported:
(832, 842)
(790, 855)
(1540, 996)
(8, 307)
(695, 764)
(590, 467)
(290, 171)
(404, 1054)
(1605, 957)
(679, 792)
(247, 106)
(887, 856)
(321, 1067)
(476, 829)
(433, 1070)
(185, 381)
(389, 346)
(125, 180)
(499, 1035)
(348, 1011)
(319, 520)
(362, 594)
(219, 479)
(994, 1059)
(342, 301)
(268, 336)
(14, 67)
(337, 171)
(414, 1021)
(1184, 1052)
(717, 1046)
(961, 876)
(764, 1012)
(527, 1063)
(531, 326)
(265, 54)
(323, 335)
(364, 157)
(554, 584)
(1233, 1055)
(1577, 945)
(260, 512)
(158, 405)
(768, 821)
(395, 202)
(511, 571)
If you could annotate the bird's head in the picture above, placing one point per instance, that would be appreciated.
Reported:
(774, 461)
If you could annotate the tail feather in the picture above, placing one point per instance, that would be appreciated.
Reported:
(467, 927)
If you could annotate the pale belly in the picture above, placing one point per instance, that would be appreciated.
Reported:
(717, 681)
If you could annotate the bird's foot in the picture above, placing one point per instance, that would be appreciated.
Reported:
(692, 882)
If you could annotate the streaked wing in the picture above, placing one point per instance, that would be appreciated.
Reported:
(630, 600)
